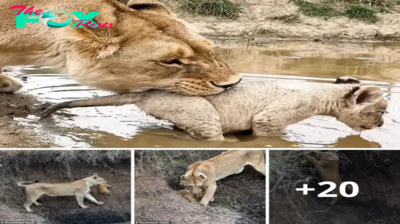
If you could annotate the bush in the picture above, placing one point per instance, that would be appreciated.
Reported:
(316, 10)
(219, 8)
(361, 12)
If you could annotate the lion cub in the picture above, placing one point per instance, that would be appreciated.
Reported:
(191, 197)
(80, 189)
(9, 84)
(203, 175)
(265, 108)
(103, 189)
(328, 169)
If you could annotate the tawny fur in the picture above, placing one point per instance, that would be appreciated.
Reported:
(203, 175)
(194, 198)
(9, 84)
(103, 189)
(328, 169)
(265, 108)
(146, 48)
(80, 189)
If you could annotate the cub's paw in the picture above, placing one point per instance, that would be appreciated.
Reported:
(347, 80)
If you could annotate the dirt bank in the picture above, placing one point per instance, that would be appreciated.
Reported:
(13, 133)
(238, 199)
(116, 207)
(375, 172)
(262, 20)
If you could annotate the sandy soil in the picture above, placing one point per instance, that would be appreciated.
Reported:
(9, 214)
(13, 134)
(259, 21)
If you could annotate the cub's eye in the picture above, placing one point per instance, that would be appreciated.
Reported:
(175, 61)
(383, 112)
(5, 85)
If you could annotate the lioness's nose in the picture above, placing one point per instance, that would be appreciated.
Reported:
(226, 85)
(380, 124)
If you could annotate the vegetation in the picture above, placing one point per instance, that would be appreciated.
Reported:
(361, 12)
(219, 8)
(365, 10)
(315, 9)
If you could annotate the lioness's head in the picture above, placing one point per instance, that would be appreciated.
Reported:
(365, 106)
(193, 183)
(95, 179)
(146, 48)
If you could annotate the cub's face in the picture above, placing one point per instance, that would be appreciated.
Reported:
(147, 48)
(365, 108)
(97, 180)
(8, 84)
(328, 156)
(192, 184)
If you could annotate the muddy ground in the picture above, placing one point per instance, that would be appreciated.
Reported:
(13, 134)
(116, 207)
(239, 198)
(375, 172)
(261, 20)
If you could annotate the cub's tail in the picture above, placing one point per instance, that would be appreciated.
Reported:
(26, 183)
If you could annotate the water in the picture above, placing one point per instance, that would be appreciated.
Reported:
(127, 126)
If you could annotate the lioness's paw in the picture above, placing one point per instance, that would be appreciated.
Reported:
(204, 203)
(100, 203)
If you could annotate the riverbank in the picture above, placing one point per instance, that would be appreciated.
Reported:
(263, 20)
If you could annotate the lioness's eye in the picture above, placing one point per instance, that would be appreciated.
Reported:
(175, 61)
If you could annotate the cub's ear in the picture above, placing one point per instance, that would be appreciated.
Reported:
(368, 94)
(202, 176)
(182, 178)
(95, 175)
(364, 94)
(347, 80)
(86, 41)
(150, 6)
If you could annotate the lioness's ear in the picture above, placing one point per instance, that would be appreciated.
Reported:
(85, 40)
(182, 178)
(367, 94)
(150, 6)
(202, 176)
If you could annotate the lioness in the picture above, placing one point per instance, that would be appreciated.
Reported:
(80, 189)
(9, 84)
(203, 175)
(265, 108)
(328, 169)
(147, 47)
